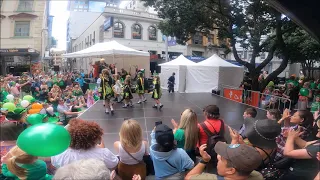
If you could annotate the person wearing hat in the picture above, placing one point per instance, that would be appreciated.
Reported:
(306, 165)
(260, 134)
(235, 162)
(168, 160)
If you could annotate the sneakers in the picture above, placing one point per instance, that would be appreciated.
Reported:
(154, 106)
(161, 106)
(125, 106)
(131, 105)
(139, 102)
(112, 112)
(107, 111)
(145, 100)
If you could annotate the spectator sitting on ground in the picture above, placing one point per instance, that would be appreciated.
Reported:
(303, 119)
(306, 165)
(235, 161)
(274, 114)
(65, 113)
(17, 164)
(260, 134)
(131, 148)
(83, 169)
(186, 132)
(169, 161)
(85, 137)
(247, 114)
(212, 122)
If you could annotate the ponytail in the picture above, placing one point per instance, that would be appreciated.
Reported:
(19, 157)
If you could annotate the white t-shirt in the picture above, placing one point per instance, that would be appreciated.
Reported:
(71, 155)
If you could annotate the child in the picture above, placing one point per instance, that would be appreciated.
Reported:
(140, 88)
(315, 106)
(127, 95)
(156, 95)
(117, 88)
(17, 164)
(90, 99)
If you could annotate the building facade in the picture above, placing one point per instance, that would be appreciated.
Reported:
(24, 35)
(136, 28)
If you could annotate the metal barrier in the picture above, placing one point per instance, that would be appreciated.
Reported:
(255, 98)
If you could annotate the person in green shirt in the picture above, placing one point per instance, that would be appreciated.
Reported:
(186, 132)
(17, 164)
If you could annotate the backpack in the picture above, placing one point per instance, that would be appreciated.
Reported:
(213, 138)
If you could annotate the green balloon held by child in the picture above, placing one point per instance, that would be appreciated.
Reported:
(44, 140)
(304, 92)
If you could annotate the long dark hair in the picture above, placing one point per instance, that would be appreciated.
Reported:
(307, 123)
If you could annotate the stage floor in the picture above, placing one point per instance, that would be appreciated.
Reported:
(174, 104)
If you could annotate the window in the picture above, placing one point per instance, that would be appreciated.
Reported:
(263, 56)
(136, 31)
(22, 29)
(197, 38)
(25, 5)
(118, 30)
(240, 54)
(152, 33)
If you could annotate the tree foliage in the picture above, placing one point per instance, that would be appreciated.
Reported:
(241, 21)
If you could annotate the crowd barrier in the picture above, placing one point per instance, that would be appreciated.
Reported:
(255, 98)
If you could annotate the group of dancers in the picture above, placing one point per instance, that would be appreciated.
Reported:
(111, 86)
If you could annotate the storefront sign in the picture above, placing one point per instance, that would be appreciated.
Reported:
(20, 50)
(108, 23)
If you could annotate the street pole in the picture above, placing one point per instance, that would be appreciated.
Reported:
(167, 47)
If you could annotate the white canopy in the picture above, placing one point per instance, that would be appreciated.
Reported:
(212, 73)
(216, 61)
(179, 67)
(105, 49)
(113, 53)
(181, 60)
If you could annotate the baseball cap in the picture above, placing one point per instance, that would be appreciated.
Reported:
(164, 136)
(263, 133)
(241, 156)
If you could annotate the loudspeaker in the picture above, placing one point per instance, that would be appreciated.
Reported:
(158, 69)
(56, 68)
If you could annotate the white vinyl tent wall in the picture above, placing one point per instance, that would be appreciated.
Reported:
(180, 77)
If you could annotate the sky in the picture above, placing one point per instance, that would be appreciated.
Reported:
(59, 27)
(59, 10)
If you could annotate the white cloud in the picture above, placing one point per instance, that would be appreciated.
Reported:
(59, 28)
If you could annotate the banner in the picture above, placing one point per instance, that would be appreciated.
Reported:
(254, 98)
(233, 94)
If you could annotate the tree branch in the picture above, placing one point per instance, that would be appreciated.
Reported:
(268, 59)
(236, 56)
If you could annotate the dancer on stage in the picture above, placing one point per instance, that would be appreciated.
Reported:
(106, 90)
(156, 95)
(117, 88)
(140, 88)
(127, 94)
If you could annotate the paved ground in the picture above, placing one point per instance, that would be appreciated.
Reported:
(231, 112)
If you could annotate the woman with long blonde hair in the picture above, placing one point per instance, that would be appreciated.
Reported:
(131, 148)
(186, 133)
(18, 164)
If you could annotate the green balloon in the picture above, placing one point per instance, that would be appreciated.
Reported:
(28, 97)
(318, 86)
(35, 119)
(312, 85)
(10, 106)
(304, 92)
(44, 140)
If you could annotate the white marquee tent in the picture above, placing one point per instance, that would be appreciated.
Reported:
(211, 74)
(115, 53)
(178, 66)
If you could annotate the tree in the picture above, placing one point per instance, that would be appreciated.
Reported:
(302, 49)
(240, 21)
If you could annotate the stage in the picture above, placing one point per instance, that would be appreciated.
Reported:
(174, 104)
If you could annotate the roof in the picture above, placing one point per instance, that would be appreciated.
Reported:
(216, 61)
(181, 60)
(106, 48)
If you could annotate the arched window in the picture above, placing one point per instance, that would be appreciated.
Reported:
(136, 31)
(118, 30)
(152, 33)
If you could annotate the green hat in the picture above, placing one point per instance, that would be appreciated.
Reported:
(16, 114)
(19, 110)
